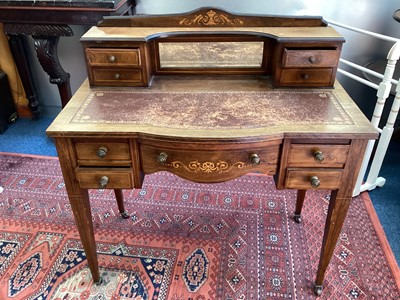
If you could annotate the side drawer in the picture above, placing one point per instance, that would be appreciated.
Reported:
(111, 56)
(317, 155)
(117, 77)
(104, 178)
(306, 76)
(309, 58)
(103, 153)
(306, 178)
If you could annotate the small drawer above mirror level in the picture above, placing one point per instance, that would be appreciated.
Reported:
(306, 77)
(117, 77)
(109, 57)
(310, 58)
(103, 153)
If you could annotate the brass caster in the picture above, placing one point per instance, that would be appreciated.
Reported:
(125, 215)
(297, 218)
(99, 282)
(318, 290)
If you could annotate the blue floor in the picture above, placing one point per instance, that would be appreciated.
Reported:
(386, 200)
(27, 136)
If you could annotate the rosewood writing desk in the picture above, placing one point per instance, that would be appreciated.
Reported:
(210, 99)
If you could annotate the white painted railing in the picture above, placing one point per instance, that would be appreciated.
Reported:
(383, 91)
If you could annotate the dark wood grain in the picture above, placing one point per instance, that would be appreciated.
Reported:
(214, 17)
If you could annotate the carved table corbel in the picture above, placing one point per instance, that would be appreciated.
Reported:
(46, 21)
(45, 39)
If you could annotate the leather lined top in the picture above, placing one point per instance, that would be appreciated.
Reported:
(211, 110)
(210, 107)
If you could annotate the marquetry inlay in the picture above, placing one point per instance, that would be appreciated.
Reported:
(208, 166)
(211, 18)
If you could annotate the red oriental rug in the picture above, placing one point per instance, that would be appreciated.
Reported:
(234, 240)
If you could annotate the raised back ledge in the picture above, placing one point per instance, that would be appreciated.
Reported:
(211, 17)
(144, 34)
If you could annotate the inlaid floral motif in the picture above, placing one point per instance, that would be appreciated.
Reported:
(207, 167)
(211, 18)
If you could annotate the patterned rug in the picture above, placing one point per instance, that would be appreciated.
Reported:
(183, 241)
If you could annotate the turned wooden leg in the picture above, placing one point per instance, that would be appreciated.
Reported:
(80, 205)
(17, 48)
(120, 201)
(301, 194)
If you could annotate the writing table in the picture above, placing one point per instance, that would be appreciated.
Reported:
(230, 121)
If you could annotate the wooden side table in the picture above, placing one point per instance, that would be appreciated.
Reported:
(46, 21)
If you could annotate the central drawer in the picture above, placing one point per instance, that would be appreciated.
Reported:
(210, 165)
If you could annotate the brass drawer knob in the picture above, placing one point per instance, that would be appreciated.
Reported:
(255, 159)
(117, 76)
(112, 58)
(312, 59)
(162, 158)
(318, 156)
(103, 182)
(102, 152)
(304, 76)
(314, 181)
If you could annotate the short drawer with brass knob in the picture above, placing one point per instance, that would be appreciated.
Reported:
(117, 77)
(312, 58)
(207, 166)
(106, 153)
(113, 57)
(104, 178)
(317, 155)
(313, 178)
(306, 77)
